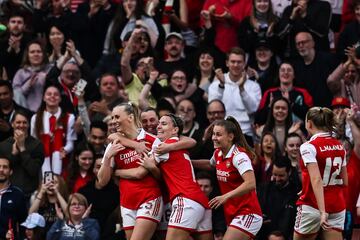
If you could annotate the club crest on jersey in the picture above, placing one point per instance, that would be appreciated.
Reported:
(228, 164)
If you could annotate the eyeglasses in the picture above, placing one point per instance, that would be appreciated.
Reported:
(75, 204)
(213, 113)
(302, 42)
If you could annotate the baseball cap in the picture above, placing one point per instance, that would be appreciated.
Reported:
(263, 43)
(174, 34)
(34, 220)
(340, 102)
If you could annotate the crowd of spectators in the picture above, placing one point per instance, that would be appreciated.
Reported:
(65, 64)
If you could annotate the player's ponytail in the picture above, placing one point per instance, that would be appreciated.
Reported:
(323, 118)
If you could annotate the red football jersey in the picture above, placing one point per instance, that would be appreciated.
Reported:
(329, 154)
(228, 171)
(136, 192)
(178, 174)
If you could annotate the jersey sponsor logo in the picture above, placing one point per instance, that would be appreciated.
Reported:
(222, 175)
(331, 148)
(129, 157)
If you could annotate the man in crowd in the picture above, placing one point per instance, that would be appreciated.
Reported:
(149, 119)
(97, 136)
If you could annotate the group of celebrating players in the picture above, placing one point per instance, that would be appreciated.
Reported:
(145, 199)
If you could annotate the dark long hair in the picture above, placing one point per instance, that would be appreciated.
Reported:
(39, 124)
(74, 167)
(270, 122)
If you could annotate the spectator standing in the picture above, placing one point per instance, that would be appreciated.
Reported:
(13, 44)
(7, 109)
(13, 203)
(240, 95)
(25, 154)
(29, 81)
(313, 68)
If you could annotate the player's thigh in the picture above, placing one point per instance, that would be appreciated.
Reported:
(298, 236)
(128, 234)
(331, 235)
(203, 236)
(235, 234)
(144, 229)
(177, 234)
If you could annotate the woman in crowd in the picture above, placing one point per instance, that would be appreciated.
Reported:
(205, 71)
(233, 161)
(269, 152)
(80, 170)
(45, 199)
(75, 222)
(55, 129)
(261, 24)
(299, 98)
(279, 122)
(57, 38)
(34, 227)
(322, 202)
(29, 81)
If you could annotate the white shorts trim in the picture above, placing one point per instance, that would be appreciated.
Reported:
(151, 210)
(250, 224)
(190, 215)
(308, 220)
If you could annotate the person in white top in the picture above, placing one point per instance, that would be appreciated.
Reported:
(240, 95)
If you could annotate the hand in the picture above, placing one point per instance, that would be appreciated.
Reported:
(141, 23)
(153, 76)
(205, 14)
(95, 6)
(324, 220)
(147, 161)
(70, 47)
(59, 212)
(141, 148)
(212, 9)
(113, 137)
(114, 149)
(218, 201)
(258, 129)
(14, 150)
(19, 137)
(303, 7)
(128, 12)
(242, 80)
(224, 16)
(252, 73)
(294, 127)
(33, 79)
(271, 99)
(350, 115)
(285, 94)
(63, 153)
(135, 35)
(163, 148)
(14, 43)
(100, 107)
(220, 75)
(87, 212)
(295, 12)
(65, 3)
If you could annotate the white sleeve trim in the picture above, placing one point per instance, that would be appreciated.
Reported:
(242, 163)
(308, 153)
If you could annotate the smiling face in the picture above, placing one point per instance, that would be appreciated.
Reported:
(21, 123)
(149, 121)
(56, 37)
(166, 128)
(221, 138)
(292, 147)
(121, 119)
(286, 74)
(236, 64)
(85, 159)
(206, 62)
(178, 81)
(52, 97)
(35, 54)
(357, 12)
(268, 144)
(76, 208)
(280, 111)
(262, 6)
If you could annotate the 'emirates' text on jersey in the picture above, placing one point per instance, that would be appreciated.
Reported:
(229, 169)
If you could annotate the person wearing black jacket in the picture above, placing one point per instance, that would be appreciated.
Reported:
(278, 201)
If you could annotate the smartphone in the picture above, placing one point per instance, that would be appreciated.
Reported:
(48, 176)
(80, 86)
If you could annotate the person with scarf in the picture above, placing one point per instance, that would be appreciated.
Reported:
(55, 128)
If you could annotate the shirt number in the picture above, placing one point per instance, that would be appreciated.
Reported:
(331, 179)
